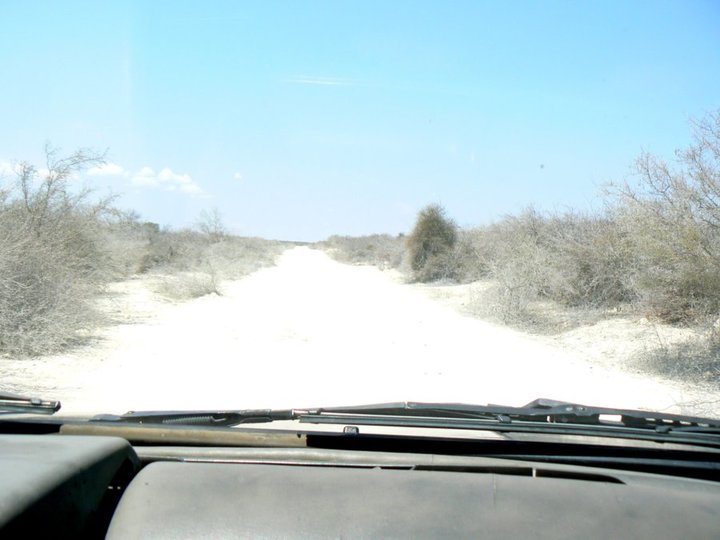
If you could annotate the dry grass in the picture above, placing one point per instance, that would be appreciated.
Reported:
(187, 285)
(199, 267)
(381, 250)
(492, 301)
(695, 360)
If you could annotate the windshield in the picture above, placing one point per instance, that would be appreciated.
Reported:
(247, 205)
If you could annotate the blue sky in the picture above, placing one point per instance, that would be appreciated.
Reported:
(297, 120)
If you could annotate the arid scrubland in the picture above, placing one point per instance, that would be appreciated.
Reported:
(60, 247)
(653, 252)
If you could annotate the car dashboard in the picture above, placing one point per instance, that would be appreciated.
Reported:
(68, 484)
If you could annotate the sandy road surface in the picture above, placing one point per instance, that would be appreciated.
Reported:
(311, 332)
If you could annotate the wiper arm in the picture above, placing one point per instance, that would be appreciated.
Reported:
(199, 418)
(13, 403)
(539, 416)
(542, 411)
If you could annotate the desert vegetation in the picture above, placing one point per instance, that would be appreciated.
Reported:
(381, 250)
(186, 264)
(653, 251)
(60, 246)
(430, 245)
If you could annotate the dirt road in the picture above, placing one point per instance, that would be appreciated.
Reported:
(311, 332)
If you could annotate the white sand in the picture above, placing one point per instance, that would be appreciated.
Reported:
(313, 332)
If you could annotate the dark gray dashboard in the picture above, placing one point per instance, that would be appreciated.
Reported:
(86, 486)
(230, 500)
(65, 485)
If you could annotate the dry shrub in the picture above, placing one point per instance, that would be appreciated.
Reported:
(472, 255)
(60, 247)
(430, 245)
(188, 285)
(191, 264)
(125, 242)
(52, 257)
(655, 248)
(696, 360)
(671, 215)
(587, 261)
(208, 246)
(572, 260)
(235, 257)
(381, 250)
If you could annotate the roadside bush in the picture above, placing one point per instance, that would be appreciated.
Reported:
(125, 241)
(572, 259)
(192, 264)
(587, 261)
(430, 245)
(168, 250)
(381, 250)
(59, 247)
(473, 254)
(210, 223)
(52, 260)
(671, 216)
(656, 247)
(189, 285)
(696, 360)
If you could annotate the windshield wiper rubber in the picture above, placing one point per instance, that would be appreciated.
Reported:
(13, 403)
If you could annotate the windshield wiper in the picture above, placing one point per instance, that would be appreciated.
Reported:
(199, 418)
(539, 416)
(13, 403)
(541, 411)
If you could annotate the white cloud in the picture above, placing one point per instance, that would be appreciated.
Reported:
(237, 176)
(173, 181)
(108, 169)
(145, 177)
(166, 179)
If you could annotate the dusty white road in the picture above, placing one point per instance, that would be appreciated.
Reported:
(311, 332)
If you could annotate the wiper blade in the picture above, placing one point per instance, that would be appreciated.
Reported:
(198, 418)
(13, 403)
(543, 411)
(539, 416)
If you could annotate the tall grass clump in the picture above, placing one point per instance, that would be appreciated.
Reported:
(430, 245)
